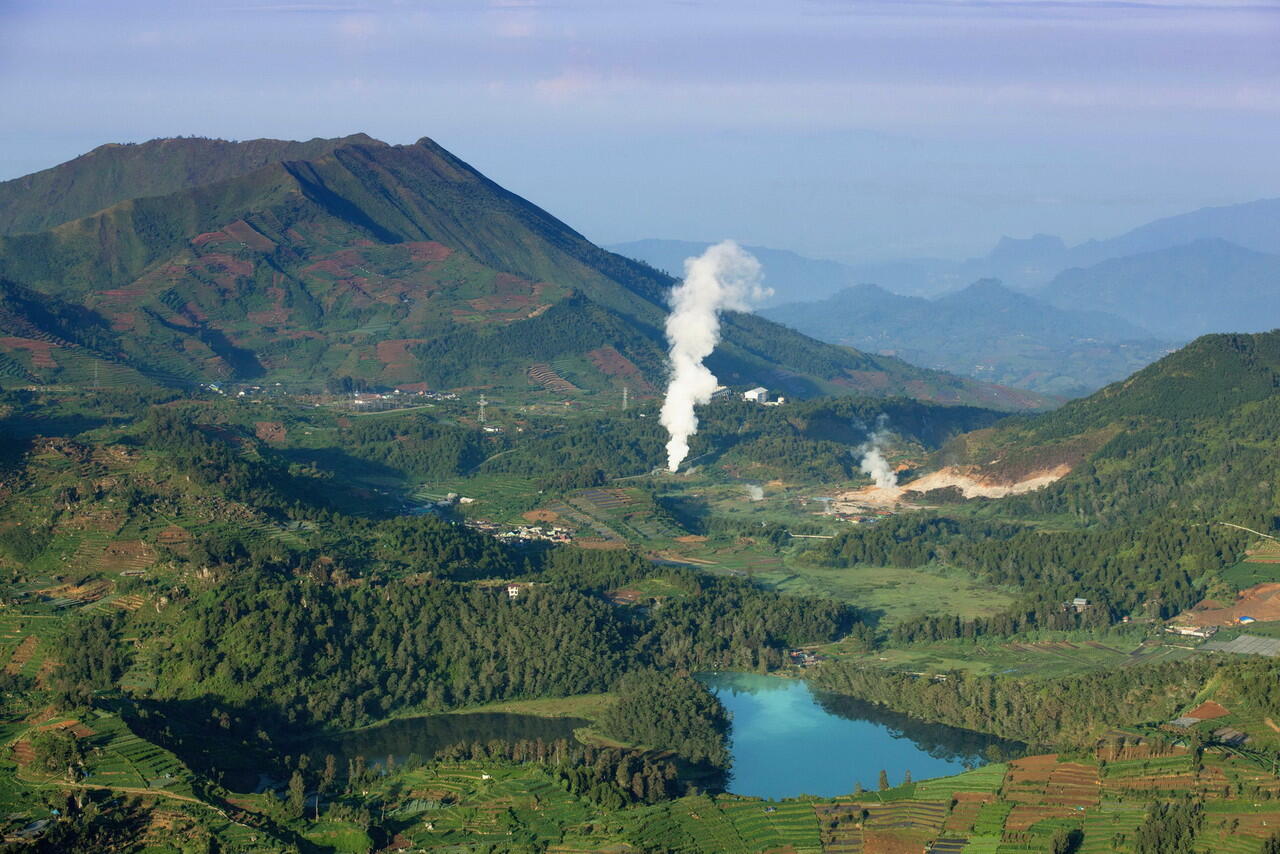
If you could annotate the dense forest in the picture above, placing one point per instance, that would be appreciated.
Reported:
(324, 653)
(1043, 711)
(668, 709)
(1119, 569)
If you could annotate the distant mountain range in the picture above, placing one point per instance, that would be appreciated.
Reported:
(1021, 263)
(187, 260)
(985, 330)
(1071, 318)
(1209, 285)
(792, 277)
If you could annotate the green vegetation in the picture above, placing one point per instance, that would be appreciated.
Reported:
(199, 588)
(287, 262)
(1043, 711)
(667, 709)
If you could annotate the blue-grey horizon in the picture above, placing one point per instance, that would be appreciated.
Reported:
(842, 129)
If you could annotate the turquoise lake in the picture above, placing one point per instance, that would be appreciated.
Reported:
(788, 740)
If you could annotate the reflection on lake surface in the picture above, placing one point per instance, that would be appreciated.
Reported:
(788, 740)
(424, 736)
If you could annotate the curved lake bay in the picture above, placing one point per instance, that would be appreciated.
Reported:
(789, 740)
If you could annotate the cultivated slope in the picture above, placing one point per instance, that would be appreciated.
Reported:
(398, 264)
(113, 173)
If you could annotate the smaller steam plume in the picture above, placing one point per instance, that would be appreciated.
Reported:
(754, 492)
(873, 462)
(724, 278)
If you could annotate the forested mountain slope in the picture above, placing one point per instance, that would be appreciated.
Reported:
(1154, 466)
(114, 173)
(392, 264)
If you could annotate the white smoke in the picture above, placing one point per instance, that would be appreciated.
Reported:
(873, 462)
(754, 491)
(722, 278)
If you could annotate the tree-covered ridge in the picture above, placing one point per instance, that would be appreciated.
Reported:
(665, 708)
(1120, 570)
(326, 656)
(295, 639)
(1044, 711)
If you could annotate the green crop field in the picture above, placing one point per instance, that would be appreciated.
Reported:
(1055, 654)
(896, 593)
(985, 779)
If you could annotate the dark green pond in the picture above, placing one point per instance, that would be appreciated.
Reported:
(424, 736)
(420, 737)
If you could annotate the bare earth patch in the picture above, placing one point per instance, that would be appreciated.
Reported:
(1262, 602)
(968, 479)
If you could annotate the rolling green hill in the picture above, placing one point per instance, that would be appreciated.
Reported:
(1190, 438)
(391, 264)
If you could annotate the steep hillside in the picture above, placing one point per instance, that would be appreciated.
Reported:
(398, 264)
(1191, 438)
(985, 331)
(113, 173)
(1193, 289)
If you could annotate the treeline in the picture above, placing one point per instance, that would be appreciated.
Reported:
(1118, 569)
(668, 709)
(609, 776)
(416, 446)
(1170, 827)
(709, 622)
(328, 654)
(1067, 710)
(729, 624)
(93, 658)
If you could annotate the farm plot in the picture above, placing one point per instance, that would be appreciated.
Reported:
(764, 825)
(1235, 826)
(964, 814)
(841, 826)
(1101, 826)
(986, 779)
(695, 824)
(991, 819)
(500, 805)
(130, 762)
(1160, 774)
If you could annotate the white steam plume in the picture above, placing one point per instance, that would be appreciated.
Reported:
(755, 492)
(873, 462)
(722, 278)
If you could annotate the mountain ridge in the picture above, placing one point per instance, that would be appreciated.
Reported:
(354, 262)
(986, 330)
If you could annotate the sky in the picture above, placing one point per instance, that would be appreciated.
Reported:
(852, 130)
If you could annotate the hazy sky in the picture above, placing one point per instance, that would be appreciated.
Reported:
(854, 130)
